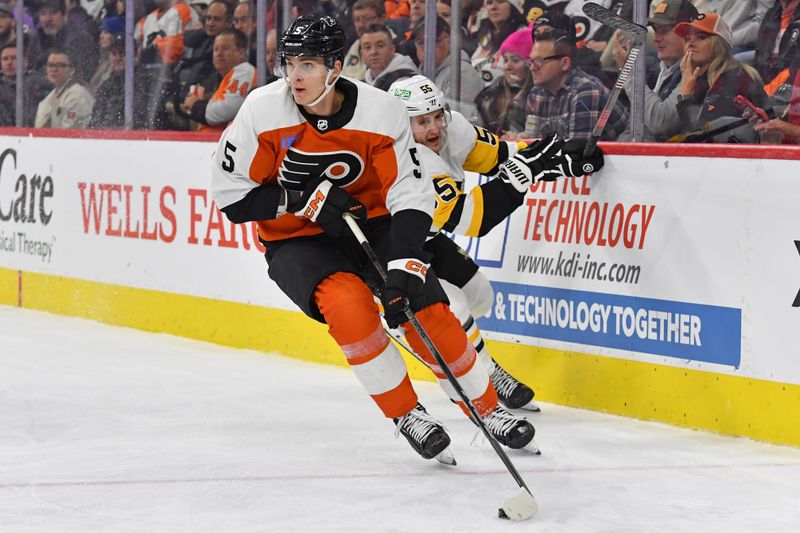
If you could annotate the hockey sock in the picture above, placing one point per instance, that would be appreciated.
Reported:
(353, 321)
(451, 341)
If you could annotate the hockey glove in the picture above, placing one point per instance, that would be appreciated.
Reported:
(527, 167)
(405, 286)
(325, 203)
(570, 162)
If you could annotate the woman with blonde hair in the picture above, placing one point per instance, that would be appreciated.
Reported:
(711, 76)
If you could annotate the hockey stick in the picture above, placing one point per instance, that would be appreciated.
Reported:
(519, 507)
(611, 19)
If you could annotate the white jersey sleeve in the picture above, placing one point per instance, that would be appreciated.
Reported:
(230, 169)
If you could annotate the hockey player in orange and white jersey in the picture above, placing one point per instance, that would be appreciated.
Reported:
(307, 149)
(238, 78)
(159, 35)
(448, 145)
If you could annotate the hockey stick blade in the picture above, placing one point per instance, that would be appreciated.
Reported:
(609, 18)
(520, 507)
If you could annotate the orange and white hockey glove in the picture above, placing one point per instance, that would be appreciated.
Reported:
(325, 203)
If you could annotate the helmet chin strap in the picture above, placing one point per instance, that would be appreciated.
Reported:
(329, 83)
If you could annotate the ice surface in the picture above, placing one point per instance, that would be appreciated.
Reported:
(114, 430)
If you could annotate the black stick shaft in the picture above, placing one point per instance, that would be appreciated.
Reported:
(412, 318)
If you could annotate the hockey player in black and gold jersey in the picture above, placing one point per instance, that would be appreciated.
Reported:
(307, 149)
(448, 145)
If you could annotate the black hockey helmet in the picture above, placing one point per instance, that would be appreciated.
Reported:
(312, 36)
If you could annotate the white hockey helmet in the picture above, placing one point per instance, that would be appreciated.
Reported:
(419, 94)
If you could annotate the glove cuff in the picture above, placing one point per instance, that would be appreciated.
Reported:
(410, 265)
(314, 201)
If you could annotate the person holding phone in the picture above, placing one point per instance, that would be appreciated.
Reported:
(710, 76)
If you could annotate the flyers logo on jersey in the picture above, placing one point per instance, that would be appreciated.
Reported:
(340, 168)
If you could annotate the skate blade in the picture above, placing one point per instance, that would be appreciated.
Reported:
(532, 406)
(520, 507)
(446, 457)
(532, 447)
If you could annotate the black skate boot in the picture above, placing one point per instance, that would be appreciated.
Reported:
(511, 430)
(426, 435)
(512, 393)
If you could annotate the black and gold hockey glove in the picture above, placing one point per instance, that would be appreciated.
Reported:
(570, 161)
(530, 164)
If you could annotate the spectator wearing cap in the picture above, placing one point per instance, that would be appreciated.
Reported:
(559, 24)
(238, 79)
(35, 88)
(54, 32)
(565, 99)
(7, 25)
(710, 76)
(109, 29)
(779, 17)
(503, 17)
(744, 18)
(384, 65)
(200, 7)
(365, 14)
(471, 83)
(109, 104)
(661, 120)
(69, 104)
(500, 107)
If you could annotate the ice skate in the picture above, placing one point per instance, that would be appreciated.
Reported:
(426, 435)
(511, 393)
(511, 430)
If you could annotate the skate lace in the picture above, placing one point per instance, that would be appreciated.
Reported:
(418, 424)
(504, 383)
(500, 421)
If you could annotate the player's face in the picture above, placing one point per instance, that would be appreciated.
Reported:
(306, 78)
(428, 129)
(699, 47)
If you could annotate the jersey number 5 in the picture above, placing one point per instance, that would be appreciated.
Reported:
(413, 153)
(227, 165)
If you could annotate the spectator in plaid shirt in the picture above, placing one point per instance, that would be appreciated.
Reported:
(565, 99)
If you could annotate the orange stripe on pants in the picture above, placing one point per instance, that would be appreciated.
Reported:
(451, 341)
(350, 311)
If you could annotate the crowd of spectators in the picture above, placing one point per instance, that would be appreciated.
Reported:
(717, 70)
